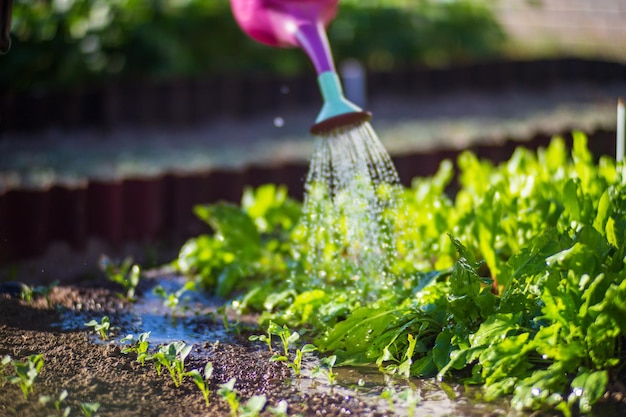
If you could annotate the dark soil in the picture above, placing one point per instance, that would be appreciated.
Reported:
(92, 371)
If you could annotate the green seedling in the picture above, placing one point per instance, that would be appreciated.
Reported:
(172, 357)
(89, 409)
(387, 395)
(411, 399)
(125, 274)
(102, 328)
(253, 407)
(139, 347)
(224, 314)
(287, 337)
(296, 365)
(272, 328)
(3, 364)
(326, 368)
(57, 402)
(228, 393)
(27, 372)
(29, 293)
(173, 300)
(202, 382)
(280, 410)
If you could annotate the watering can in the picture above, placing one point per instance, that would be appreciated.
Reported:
(302, 23)
(5, 25)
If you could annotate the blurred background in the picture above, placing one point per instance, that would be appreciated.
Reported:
(117, 116)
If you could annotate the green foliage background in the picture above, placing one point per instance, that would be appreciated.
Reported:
(517, 283)
(67, 42)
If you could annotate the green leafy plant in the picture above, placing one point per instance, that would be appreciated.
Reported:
(172, 357)
(202, 382)
(89, 409)
(139, 346)
(26, 373)
(102, 328)
(57, 402)
(287, 339)
(516, 284)
(124, 273)
(326, 368)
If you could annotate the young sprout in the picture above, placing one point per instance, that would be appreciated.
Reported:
(3, 364)
(411, 398)
(326, 369)
(125, 274)
(27, 372)
(45, 399)
(140, 347)
(102, 328)
(272, 328)
(296, 365)
(172, 300)
(280, 410)
(172, 357)
(287, 337)
(228, 393)
(89, 409)
(203, 382)
(28, 293)
(253, 407)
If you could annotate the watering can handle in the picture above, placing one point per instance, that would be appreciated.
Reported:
(5, 25)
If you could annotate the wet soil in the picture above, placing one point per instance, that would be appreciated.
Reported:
(93, 371)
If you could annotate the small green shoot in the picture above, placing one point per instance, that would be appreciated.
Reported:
(140, 347)
(29, 293)
(267, 338)
(280, 410)
(125, 274)
(172, 300)
(89, 409)
(102, 328)
(202, 382)
(57, 402)
(253, 407)
(287, 337)
(326, 368)
(172, 357)
(411, 399)
(27, 372)
(224, 314)
(228, 393)
(3, 364)
(296, 365)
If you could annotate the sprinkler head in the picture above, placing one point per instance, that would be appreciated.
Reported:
(340, 122)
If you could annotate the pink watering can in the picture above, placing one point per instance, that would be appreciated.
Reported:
(302, 23)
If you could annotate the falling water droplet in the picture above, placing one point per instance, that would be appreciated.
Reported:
(279, 122)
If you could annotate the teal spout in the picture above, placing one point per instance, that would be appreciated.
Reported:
(337, 112)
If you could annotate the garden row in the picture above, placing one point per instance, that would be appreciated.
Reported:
(159, 208)
(185, 101)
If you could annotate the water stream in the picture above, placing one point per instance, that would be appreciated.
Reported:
(349, 207)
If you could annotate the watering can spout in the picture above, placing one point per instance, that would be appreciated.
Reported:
(301, 23)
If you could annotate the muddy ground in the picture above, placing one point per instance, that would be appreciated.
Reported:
(93, 371)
